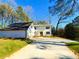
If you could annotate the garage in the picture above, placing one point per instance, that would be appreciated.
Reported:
(16, 30)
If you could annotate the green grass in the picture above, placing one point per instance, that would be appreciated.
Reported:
(74, 46)
(8, 46)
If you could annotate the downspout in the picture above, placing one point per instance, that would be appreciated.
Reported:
(25, 34)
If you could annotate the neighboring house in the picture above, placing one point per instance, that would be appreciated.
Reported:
(39, 29)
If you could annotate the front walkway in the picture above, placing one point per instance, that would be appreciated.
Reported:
(45, 48)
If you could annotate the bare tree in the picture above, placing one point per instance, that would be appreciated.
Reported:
(63, 9)
(76, 20)
(7, 15)
(22, 15)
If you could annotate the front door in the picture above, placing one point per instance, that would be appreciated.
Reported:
(41, 33)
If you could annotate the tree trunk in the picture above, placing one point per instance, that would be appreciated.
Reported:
(58, 25)
(25, 34)
(12, 21)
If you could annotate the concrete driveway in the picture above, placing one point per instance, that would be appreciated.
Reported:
(45, 48)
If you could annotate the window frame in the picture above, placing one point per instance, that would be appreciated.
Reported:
(47, 27)
(48, 32)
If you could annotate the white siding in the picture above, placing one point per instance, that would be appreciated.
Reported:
(13, 34)
(30, 31)
(39, 28)
(42, 29)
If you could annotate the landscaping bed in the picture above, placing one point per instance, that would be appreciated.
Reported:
(74, 46)
(9, 46)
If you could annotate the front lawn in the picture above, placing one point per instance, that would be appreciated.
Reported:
(74, 46)
(9, 46)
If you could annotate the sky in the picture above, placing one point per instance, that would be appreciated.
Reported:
(38, 8)
(35, 9)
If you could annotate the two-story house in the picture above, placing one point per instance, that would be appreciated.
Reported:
(37, 29)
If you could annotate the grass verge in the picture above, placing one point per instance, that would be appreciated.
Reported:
(74, 46)
(9, 46)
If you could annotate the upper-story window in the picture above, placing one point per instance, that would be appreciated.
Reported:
(47, 27)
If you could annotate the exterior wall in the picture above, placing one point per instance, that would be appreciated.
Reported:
(30, 31)
(44, 30)
(36, 32)
(13, 34)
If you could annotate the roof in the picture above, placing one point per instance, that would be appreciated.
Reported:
(23, 25)
(18, 26)
(40, 23)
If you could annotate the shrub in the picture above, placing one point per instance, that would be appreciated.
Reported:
(60, 32)
(70, 31)
(28, 41)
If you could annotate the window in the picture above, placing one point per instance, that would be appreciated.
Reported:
(31, 26)
(47, 27)
(35, 28)
(47, 32)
